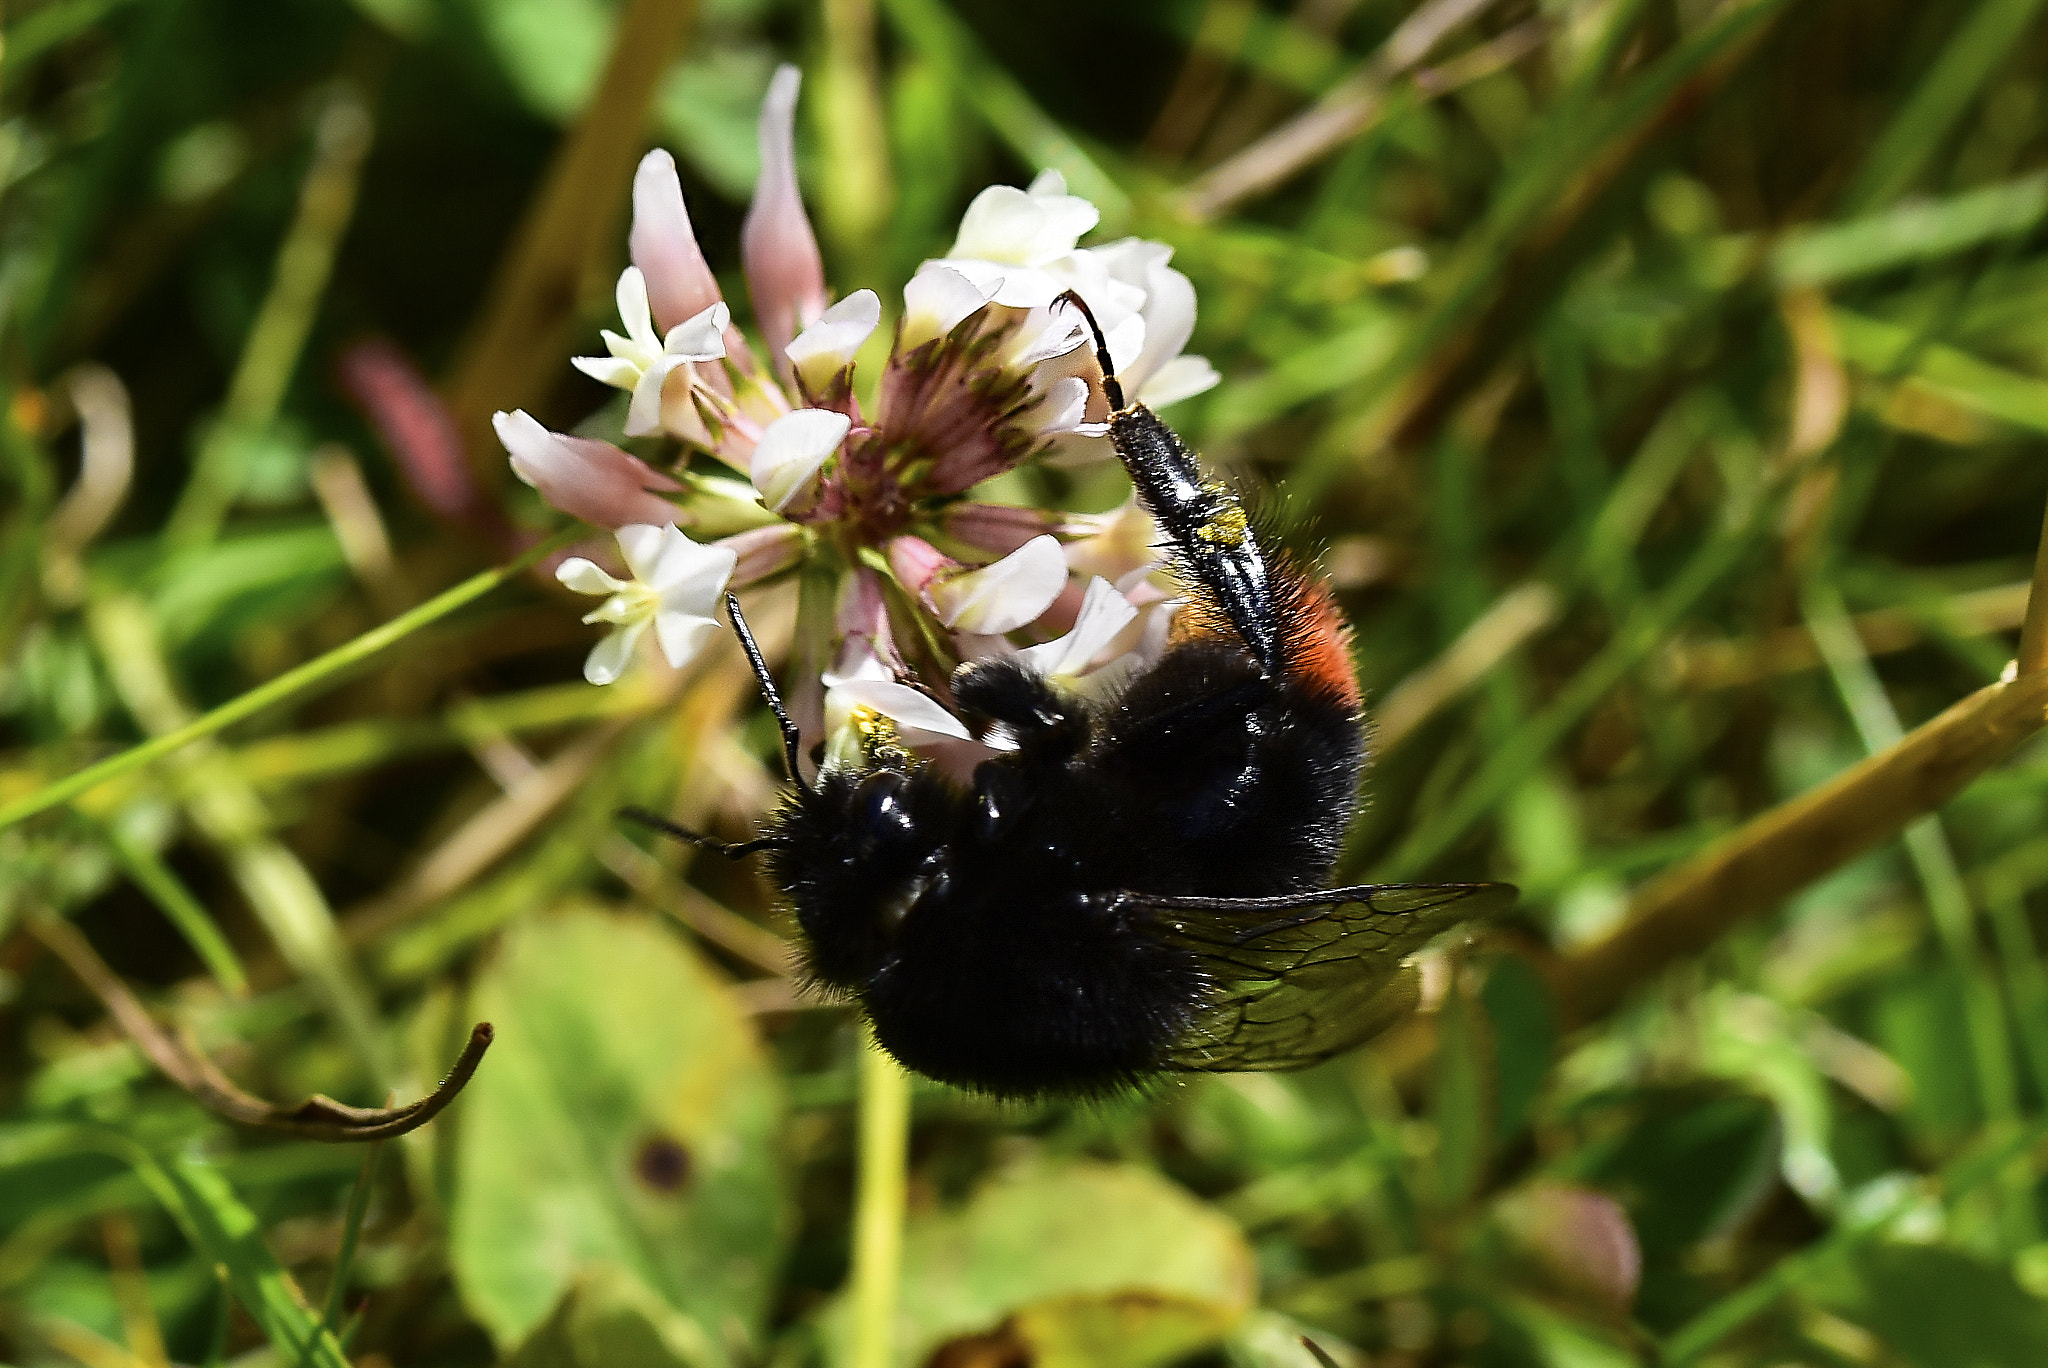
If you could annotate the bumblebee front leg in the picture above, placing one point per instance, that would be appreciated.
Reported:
(1043, 722)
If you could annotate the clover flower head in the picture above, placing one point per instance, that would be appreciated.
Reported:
(876, 482)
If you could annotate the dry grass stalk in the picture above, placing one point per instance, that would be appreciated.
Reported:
(1688, 907)
(513, 355)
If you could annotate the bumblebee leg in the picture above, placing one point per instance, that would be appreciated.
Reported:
(1212, 539)
(684, 834)
(792, 741)
(1010, 693)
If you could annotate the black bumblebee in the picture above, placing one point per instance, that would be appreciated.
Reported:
(1137, 887)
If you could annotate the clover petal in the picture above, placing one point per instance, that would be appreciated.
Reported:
(827, 346)
(1104, 614)
(1005, 595)
(792, 449)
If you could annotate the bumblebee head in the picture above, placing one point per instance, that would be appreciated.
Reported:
(855, 856)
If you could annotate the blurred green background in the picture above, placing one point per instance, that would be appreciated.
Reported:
(1663, 380)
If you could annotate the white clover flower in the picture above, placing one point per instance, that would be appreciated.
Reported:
(1158, 375)
(792, 450)
(641, 361)
(986, 373)
(676, 589)
(1008, 237)
(1019, 248)
(865, 688)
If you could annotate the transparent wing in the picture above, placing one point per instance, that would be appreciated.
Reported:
(1299, 978)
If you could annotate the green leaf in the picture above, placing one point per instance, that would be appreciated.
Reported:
(1954, 374)
(1918, 1019)
(1915, 231)
(609, 1319)
(1937, 1308)
(626, 1116)
(1524, 1032)
(1463, 1102)
(1074, 1266)
(228, 1234)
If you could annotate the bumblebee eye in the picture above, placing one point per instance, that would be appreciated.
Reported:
(878, 811)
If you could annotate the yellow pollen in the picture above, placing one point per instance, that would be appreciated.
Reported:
(1228, 528)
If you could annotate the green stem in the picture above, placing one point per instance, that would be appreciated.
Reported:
(277, 339)
(351, 1233)
(2026, 984)
(878, 1209)
(320, 670)
(185, 911)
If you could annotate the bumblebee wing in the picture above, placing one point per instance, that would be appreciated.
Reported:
(1297, 979)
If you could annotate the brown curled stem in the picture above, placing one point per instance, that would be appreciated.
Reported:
(317, 1118)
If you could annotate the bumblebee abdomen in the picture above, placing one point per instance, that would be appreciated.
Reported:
(1031, 991)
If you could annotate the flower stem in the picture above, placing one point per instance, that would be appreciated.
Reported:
(320, 670)
(878, 1210)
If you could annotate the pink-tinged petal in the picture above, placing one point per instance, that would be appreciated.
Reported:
(680, 416)
(861, 626)
(1004, 596)
(997, 528)
(644, 414)
(1578, 1240)
(664, 246)
(791, 451)
(785, 275)
(583, 477)
(418, 430)
(915, 563)
(763, 551)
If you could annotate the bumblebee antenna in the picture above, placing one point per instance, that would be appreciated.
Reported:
(1112, 389)
(792, 739)
(731, 850)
